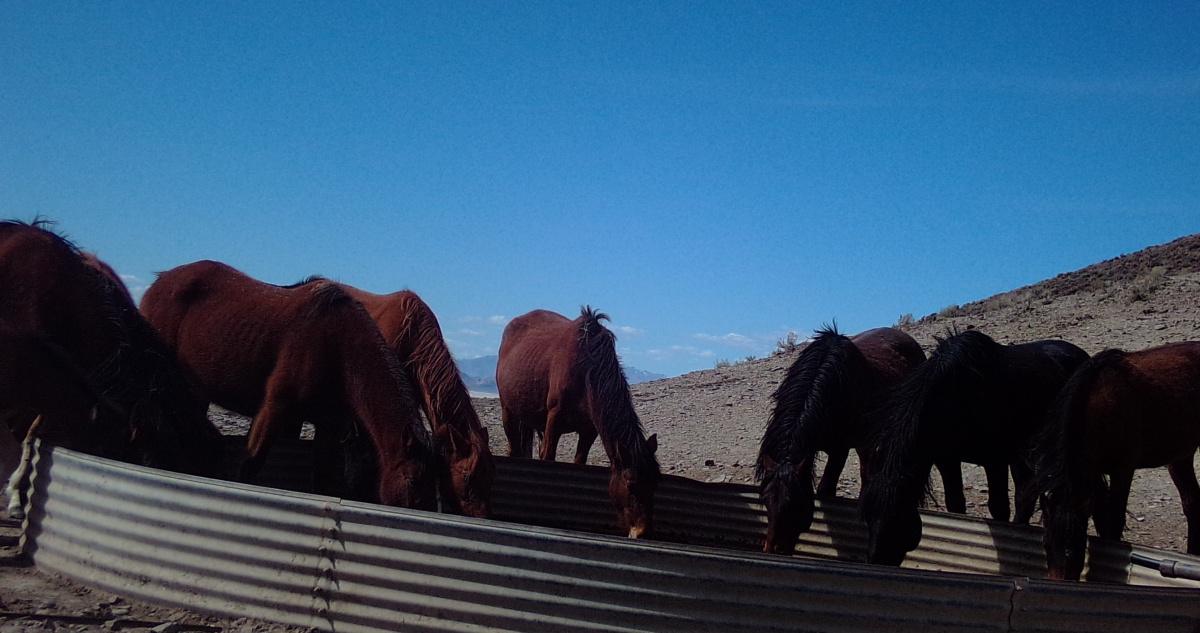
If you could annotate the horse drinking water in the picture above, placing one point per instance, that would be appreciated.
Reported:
(289, 354)
(81, 317)
(824, 403)
(974, 400)
(411, 329)
(560, 376)
(1119, 412)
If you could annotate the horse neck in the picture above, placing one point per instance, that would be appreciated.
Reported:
(421, 346)
(816, 405)
(379, 394)
(610, 406)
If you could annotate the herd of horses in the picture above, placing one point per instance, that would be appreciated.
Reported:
(1070, 428)
(83, 367)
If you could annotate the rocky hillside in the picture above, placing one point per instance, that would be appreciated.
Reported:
(709, 422)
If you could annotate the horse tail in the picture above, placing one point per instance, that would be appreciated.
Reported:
(807, 404)
(904, 423)
(1056, 447)
(607, 389)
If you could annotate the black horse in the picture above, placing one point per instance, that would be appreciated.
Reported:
(823, 404)
(975, 401)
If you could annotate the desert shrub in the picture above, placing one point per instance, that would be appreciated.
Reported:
(787, 345)
(1144, 286)
(905, 320)
(950, 311)
(722, 363)
(748, 359)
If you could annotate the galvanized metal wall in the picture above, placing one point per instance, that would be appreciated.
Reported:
(730, 516)
(301, 559)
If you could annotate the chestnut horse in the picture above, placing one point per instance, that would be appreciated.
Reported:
(76, 306)
(825, 404)
(411, 329)
(560, 376)
(289, 354)
(1121, 411)
(975, 401)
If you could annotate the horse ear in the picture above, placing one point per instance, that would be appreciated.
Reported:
(652, 443)
(768, 463)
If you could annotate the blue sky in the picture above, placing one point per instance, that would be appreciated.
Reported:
(712, 175)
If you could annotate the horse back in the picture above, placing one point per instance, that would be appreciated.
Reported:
(889, 353)
(537, 354)
(234, 332)
(45, 286)
(1148, 401)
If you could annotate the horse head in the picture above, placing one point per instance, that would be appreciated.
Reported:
(788, 497)
(171, 431)
(1065, 539)
(632, 487)
(471, 468)
(412, 482)
(891, 538)
(167, 424)
(889, 505)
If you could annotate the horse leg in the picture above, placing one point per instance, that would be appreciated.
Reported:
(1099, 504)
(10, 452)
(1183, 473)
(1022, 476)
(16, 509)
(833, 472)
(997, 478)
(952, 484)
(1113, 525)
(520, 436)
(279, 412)
(587, 437)
(555, 417)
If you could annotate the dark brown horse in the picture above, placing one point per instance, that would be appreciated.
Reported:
(287, 355)
(38, 378)
(411, 329)
(975, 401)
(1120, 411)
(825, 404)
(49, 290)
(560, 376)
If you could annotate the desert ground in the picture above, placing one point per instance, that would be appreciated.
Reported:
(709, 422)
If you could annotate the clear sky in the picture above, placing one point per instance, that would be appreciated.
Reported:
(712, 175)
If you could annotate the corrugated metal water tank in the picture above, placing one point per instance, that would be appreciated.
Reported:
(546, 563)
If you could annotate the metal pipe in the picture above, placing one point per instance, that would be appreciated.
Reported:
(1167, 567)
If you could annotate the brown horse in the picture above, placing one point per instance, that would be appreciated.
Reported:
(49, 290)
(289, 354)
(825, 403)
(37, 378)
(411, 329)
(1119, 412)
(560, 376)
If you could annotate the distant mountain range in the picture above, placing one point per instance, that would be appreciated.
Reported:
(479, 374)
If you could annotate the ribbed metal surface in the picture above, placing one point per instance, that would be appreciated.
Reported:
(730, 516)
(313, 561)
(177, 540)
